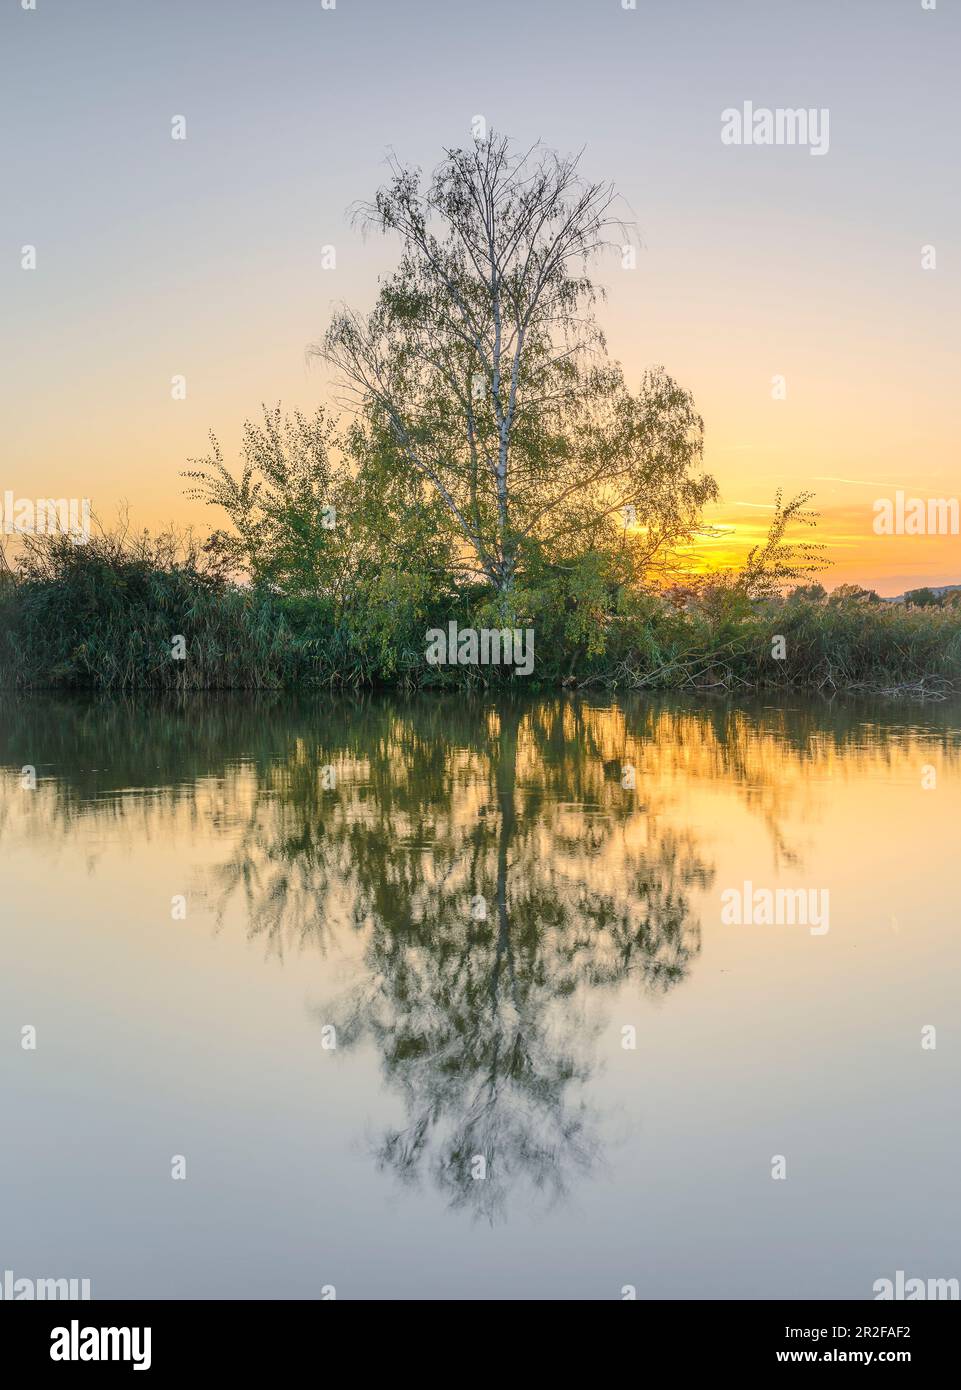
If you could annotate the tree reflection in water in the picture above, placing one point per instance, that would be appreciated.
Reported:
(501, 876)
(486, 1023)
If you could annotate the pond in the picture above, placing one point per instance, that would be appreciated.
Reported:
(564, 997)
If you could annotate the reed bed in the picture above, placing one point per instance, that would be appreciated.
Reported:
(107, 615)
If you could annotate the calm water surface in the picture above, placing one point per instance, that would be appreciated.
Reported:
(474, 903)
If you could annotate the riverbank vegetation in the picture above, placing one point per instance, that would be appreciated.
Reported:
(107, 616)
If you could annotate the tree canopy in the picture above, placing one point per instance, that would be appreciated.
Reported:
(482, 377)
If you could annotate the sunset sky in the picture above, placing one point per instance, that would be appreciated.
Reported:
(203, 257)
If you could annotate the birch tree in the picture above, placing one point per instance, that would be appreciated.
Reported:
(481, 372)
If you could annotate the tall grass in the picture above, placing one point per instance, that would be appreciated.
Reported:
(105, 616)
(854, 646)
